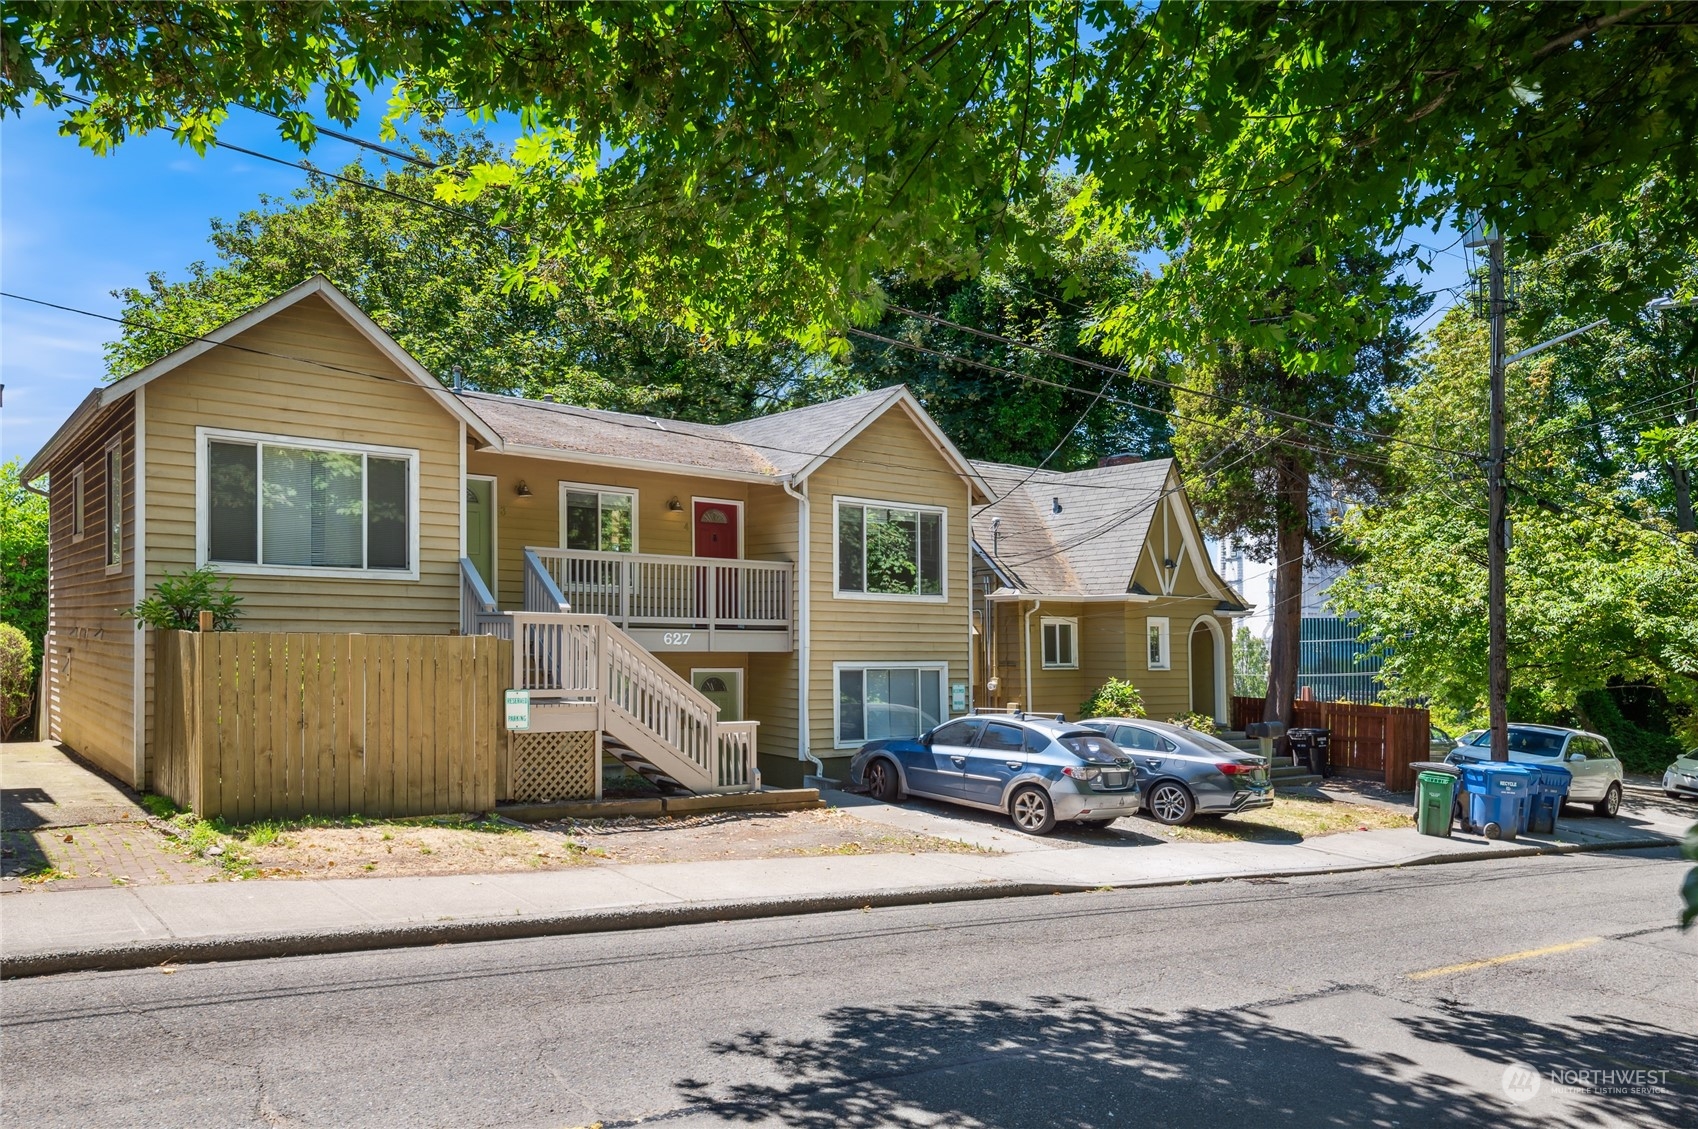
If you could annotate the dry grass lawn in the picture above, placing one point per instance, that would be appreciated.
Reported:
(1290, 819)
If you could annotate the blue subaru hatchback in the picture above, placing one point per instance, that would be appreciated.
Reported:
(1039, 770)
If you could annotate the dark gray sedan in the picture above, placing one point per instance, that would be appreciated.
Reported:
(1185, 773)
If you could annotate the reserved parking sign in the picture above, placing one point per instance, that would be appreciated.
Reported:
(518, 709)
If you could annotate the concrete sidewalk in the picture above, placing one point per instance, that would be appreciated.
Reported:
(141, 926)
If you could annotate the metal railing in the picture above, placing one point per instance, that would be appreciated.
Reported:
(653, 590)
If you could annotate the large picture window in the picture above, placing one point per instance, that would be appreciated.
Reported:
(598, 519)
(282, 504)
(898, 700)
(888, 550)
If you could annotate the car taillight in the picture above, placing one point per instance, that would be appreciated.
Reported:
(1082, 773)
(1232, 768)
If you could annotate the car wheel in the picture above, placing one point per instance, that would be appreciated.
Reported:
(1032, 811)
(882, 781)
(1610, 804)
(1171, 803)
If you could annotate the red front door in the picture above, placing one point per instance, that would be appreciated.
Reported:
(716, 530)
(716, 536)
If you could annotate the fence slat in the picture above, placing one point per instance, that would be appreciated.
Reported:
(355, 678)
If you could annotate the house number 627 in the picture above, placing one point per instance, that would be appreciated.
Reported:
(675, 639)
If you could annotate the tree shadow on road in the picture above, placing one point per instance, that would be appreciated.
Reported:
(1068, 1062)
(1604, 1043)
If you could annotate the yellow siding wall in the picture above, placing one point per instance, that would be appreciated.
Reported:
(892, 460)
(229, 388)
(91, 648)
(251, 391)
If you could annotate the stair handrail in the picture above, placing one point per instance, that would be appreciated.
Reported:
(477, 605)
(542, 594)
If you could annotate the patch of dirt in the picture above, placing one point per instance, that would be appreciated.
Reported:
(1291, 819)
(745, 835)
(405, 849)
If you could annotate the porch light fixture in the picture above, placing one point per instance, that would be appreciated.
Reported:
(521, 489)
(674, 505)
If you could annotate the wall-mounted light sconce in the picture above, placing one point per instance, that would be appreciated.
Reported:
(1169, 563)
(1055, 505)
(674, 505)
(521, 489)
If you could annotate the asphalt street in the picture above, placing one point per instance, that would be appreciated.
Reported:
(1394, 998)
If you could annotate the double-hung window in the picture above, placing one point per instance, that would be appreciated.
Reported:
(1161, 657)
(885, 549)
(1061, 648)
(274, 504)
(599, 519)
(114, 506)
(894, 700)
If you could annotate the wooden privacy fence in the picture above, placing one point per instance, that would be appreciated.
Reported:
(1374, 742)
(260, 725)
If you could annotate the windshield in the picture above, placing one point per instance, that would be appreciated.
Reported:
(1534, 742)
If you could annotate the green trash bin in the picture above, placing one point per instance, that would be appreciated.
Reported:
(1435, 799)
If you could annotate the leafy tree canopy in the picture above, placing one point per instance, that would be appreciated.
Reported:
(1602, 587)
(753, 170)
(433, 279)
(23, 557)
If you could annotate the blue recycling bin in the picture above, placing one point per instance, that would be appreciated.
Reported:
(1554, 782)
(1496, 797)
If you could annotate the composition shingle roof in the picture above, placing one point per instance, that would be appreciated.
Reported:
(1088, 549)
(776, 445)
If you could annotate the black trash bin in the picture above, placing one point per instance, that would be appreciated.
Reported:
(1313, 747)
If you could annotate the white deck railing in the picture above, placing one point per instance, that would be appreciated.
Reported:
(478, 613)
(587, 658)
(652, 590)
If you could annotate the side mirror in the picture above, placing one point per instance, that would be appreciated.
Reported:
(1576, 756)
(926, 740)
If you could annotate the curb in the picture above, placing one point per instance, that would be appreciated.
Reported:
(149, 954)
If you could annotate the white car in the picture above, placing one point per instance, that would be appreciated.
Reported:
(1587, 756)
(1681, 777)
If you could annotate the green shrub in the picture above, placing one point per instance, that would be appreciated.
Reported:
(1201, 722)
(1114, 698)
(1641, 750)
(17, 680)
(178, 600)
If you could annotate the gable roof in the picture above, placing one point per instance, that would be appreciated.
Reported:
(1091, 547)
(318, 286)
(784, 445)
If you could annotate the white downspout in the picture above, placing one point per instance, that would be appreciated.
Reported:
(1026, 653)
(804, 586)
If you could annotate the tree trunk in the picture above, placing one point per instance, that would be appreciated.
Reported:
(1283, 647)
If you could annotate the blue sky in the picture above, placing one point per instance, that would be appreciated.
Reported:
(75, 226)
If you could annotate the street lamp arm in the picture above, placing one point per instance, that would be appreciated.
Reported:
(1543, 345)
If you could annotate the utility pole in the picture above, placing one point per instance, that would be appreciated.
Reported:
(1497, 540)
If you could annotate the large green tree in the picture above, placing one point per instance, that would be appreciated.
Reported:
(1602, 586)
(747, 169)
(433, 278)
(1271, 446)
(23, 557)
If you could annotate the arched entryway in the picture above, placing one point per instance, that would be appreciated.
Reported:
(1208, 668)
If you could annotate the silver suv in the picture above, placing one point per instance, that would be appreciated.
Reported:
(1587, 756)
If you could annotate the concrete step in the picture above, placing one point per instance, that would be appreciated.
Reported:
(1299, 780)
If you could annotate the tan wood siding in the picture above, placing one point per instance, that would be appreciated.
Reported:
(892, 460)
(249, 391)
(91, 647)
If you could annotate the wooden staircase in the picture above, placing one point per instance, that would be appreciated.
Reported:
(586, 674)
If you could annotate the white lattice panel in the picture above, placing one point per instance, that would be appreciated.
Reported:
(554, 766)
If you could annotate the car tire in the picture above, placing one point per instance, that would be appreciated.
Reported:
(883, 782)
(1610, 804)
(1170, 802)
(1032, 810)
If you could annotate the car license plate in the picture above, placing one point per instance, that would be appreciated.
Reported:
(1113, 780)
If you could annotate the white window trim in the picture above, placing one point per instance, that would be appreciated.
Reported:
(1161, 622)
(732, 502)
(1072, 624)
(742, 705)
(837, 504)
(837, 669)
(602, 488)
(205, 435)
(494, 526)
(79, 505)
(114, 507)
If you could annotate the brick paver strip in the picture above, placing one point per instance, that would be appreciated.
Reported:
(106, 854)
